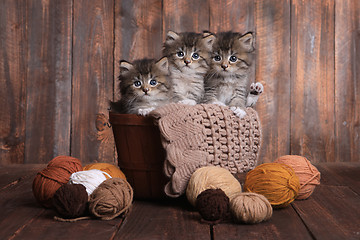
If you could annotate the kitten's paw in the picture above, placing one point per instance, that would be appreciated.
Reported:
(240, 113)
(256, 88)
(219, 103)
(145, 111)
(188, 102)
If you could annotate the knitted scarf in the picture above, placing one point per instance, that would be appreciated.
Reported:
(203, 135)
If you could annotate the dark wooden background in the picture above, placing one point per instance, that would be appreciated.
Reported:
(59, 62)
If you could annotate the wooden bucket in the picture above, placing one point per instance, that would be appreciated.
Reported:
(140, 154)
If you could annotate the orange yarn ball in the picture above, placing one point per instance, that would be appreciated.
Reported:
(112, 170)
(50, 179)
(277, 182)
(309, 176)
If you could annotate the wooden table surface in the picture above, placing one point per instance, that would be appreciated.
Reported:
(332, 212)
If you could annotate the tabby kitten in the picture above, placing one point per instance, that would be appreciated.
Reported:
(144, 86)
(187, 53)
(227, 80)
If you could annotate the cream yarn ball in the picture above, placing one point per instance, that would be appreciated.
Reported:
(212, 177)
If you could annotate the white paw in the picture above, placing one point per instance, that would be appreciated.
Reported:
(256, 88)
(219, 103)
(188, 102)
(238, 112)
(145, 111)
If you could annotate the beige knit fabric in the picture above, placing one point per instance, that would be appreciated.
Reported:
(203, 135)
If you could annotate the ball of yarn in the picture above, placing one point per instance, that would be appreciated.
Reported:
(309, 176)
(50, 179)
(213, 205)
(70, 200)
(91, 179)
(250, 208)
(112, 170)
(112, 198)
(211, 177)
(277, 182)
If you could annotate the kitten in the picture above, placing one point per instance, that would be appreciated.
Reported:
(227, 80)
(187, 53)
(144, 86)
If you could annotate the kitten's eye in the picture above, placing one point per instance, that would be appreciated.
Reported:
(195, 56)
(180, 54)
(217, 58)
(137, 84)
(153, 82)
(233, 59)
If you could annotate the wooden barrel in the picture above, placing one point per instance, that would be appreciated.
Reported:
(140, 154)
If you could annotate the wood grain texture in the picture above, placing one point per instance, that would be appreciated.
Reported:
(13, 67)
(341, 174)
(273, 71)
(347, 80)
(185, 16)
(312, 80)
(323, 213)
(18, 201)
(172, 220)
(48, 108)
(232, 15)
(93, 41)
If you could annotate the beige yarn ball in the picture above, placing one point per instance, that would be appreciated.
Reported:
(212, 177)
(250, 208)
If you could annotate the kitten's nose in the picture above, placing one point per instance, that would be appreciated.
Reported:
(224, 66)
(187, 61)
(146, 90)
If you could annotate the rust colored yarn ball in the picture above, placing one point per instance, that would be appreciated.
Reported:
(213, 205)
(309, 176)
(276, 181)
(112, 170)
(50, 179)
(70, 200)
(111, 198)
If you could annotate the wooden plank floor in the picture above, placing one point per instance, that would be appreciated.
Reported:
(332, 212)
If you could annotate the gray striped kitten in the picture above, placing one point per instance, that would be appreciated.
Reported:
(187, 53)
(144, 86)
(227, 80)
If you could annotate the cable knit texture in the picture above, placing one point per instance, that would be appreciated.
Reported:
(204, 135)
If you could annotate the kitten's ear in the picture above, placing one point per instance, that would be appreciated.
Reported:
(246, 42)
(163, 65)
(125, 66)
(208, 40)
(171, 37)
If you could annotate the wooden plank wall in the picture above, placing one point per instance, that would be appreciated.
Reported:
(59, 65)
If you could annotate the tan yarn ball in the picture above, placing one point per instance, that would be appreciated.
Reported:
(111, 198)
(309, 176)
(250, 208)
(211, 177)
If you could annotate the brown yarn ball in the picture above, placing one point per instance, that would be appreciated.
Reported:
(213, 205)
(309, 176)
(50, 179)
(70, 200)
(111, 198)
(250, 208)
